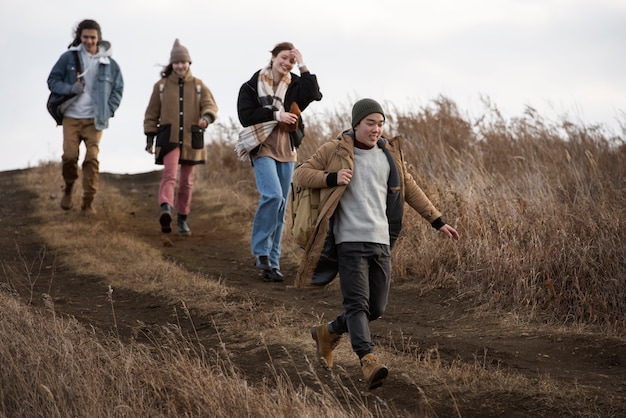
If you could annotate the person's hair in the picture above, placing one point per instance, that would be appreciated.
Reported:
(283, 46)
(167, 70)
(85, 24)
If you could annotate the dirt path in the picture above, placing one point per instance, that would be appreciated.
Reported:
(435, 319)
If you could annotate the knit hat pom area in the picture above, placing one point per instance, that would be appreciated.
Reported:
(364, 107)
(179, 53)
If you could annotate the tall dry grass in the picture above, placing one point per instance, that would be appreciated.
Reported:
(541, 206)
(539, 203)
(54, 367)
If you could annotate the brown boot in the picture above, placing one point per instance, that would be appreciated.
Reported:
(326, 343)
(66, 200)
(87, 206)
(373, 371)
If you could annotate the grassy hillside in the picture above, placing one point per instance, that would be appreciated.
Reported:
(540, 207)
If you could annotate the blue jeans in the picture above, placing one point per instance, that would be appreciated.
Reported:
(364, 277)
(273, 181)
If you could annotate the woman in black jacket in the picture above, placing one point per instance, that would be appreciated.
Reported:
(269, 107)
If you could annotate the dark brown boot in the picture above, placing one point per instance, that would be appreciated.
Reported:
(326, 343)
(66, 200)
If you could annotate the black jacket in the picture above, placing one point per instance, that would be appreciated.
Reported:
(303, 90)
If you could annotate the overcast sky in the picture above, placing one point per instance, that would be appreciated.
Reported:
(562, 57)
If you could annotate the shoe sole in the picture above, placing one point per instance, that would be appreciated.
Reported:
(269, 277)
(378, 378)
(166, 222)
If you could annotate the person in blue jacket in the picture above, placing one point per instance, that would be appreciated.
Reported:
(97, 86)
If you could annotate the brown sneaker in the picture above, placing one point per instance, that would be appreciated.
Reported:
(66, 200)
(373, 371)
(326, 343)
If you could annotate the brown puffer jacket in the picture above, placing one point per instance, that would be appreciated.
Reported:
(162, 117)
(318, 267)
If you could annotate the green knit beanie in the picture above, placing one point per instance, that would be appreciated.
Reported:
(364, 107)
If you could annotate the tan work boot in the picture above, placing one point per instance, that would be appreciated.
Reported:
(66, 200)
(326, 343)
(87, 206)
(373, 371)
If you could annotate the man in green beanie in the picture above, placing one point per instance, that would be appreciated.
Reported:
(363, 182)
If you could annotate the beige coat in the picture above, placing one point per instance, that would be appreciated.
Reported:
(330, 158)
(162, 117)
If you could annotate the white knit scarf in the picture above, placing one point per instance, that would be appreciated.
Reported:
(253, 136)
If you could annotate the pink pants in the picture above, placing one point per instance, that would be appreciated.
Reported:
(168, 183)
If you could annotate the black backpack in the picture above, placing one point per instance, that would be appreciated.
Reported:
(55, 101)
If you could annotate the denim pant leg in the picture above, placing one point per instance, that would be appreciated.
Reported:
(273, 181)
(285, 173)
(365, 275)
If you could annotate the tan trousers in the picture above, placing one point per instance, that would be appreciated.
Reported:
(75, 131)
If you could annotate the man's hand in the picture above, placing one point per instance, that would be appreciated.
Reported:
(77, 88)
(344, 176)
(449, 232)
(149, 143)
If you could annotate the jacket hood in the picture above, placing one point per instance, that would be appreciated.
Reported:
(105, 50)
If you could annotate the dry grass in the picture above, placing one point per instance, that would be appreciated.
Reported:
(54, 367)
(540, 206)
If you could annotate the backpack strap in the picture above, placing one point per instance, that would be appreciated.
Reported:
(77, 61)
(162, 87)
(198, 90)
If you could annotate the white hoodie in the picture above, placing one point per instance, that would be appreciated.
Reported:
(83, 106)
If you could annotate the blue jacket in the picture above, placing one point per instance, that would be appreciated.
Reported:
(109, 83)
